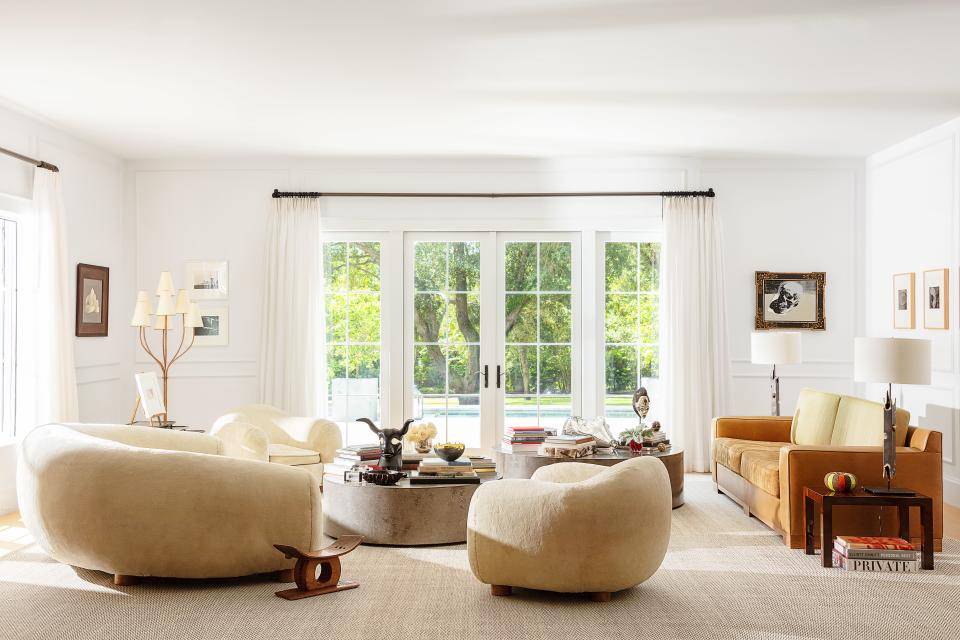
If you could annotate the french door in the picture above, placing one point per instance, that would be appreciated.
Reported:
(491, 331)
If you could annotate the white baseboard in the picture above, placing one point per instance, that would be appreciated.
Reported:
(951, 491)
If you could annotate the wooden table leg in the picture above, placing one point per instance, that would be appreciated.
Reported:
(826, 534)
(926, 543)
(903, 519)
(808, 525)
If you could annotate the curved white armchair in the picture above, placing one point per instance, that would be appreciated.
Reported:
(135, 501)
(262, 432)
(573, 527)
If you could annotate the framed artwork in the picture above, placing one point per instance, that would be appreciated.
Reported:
(790, 300)
(206, 280)
(904, 285)
(151, 398)
(93, 300)
(936, 299)
(215, 329)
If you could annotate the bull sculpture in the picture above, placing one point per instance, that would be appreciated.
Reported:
(391, 444)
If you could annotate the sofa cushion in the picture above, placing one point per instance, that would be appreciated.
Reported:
(859, 423)
(290, 455)
(729, 451)
(761, 468)
(814, 418)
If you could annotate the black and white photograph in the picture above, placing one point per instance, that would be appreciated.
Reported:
(213, 333)
(904, 316)
(206, 280)
(936, 306)
(789, 300)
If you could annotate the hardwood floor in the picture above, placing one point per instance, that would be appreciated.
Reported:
(13, 535)
(951, 521)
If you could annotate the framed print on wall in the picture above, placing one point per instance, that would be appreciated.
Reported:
(215, 329)
(904, 316)
(93, 300)
(206, 280)
(936, 299)
(790, 300)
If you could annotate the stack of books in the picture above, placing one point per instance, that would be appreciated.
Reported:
(873, 553)
(653, 441)
(516, 439)
(483, 465)
(568, 446)
(358, 454)
(437, 471)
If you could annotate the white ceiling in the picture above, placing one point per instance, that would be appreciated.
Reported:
(183, 78)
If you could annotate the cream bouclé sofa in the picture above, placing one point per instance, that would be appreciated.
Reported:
(138, 501)
(572, 528)
(265, 433)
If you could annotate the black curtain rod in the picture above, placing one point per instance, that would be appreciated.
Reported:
(33, 161)
(561, 194)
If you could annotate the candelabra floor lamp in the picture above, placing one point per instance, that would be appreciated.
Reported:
(170, 303)
(773, 348)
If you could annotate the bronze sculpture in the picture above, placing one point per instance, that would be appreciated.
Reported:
(391, 444)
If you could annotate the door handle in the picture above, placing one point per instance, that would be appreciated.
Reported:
(499, 376)
(486, 376)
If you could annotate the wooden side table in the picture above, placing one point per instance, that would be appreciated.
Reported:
(825, 501)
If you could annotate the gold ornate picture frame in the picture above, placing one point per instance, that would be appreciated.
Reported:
(790, 300)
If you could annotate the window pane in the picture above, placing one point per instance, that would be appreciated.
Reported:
(521, 317)
(363, 365)
(520, 411)
(555, 368)
(365, 266)
(649, 319)
(650, 266)
(649, 362)
(435, 411)
(429, 369)
(364, 317)
(621, 266)
(463, 420)
(430, 266)
(463, 367)
(555, 318)
(428, 316)
(336, 369)
(621, 317)
(463, 316)
(335, 265)
(621, 364)
(464, 266)
(555, 266)
(554, 410)
(521, 371)
(520, 266)
(619, 412)
(336, 318)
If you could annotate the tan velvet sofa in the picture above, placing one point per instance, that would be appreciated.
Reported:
(139, 501)
(566, 529)
(763, 463)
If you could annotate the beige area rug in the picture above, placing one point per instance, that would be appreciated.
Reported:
(726, 576)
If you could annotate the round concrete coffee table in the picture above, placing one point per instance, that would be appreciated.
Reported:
(522, 465)
(401, 515)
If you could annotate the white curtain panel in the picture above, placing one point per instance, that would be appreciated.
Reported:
(292, 358)
(47, 342)
(694, 365)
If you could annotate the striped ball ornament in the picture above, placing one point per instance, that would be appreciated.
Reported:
(840, 481)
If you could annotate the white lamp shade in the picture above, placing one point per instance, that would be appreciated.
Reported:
(183, 301)
(891, 360)
(193, 318)
(141, 314)
(775, 347)
(165, 284)
(144, 297)
(161, 323)
(166, 305)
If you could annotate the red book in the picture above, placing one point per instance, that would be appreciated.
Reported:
(874, 542)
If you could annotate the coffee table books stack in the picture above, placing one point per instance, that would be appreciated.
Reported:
(483, 466)
(517, 439)
(568, 446)
(437, 471)
(874, 554)
(347, 457)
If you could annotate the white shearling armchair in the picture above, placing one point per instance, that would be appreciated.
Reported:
(572, 528)
(136, 501)
(265, 433)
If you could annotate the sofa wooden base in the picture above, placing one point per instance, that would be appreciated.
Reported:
(123, 580)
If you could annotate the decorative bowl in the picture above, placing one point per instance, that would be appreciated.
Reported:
(383, 477)
(449, 451)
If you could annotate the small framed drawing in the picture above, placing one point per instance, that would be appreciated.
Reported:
(216, 325)
(151, 398)
(206, 280)
(790, 300)
(936, 299)
(93, 300)
(904, 316)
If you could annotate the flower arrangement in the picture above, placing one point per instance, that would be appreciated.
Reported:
(421, 435)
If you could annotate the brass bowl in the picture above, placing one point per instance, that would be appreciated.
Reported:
(449, 451)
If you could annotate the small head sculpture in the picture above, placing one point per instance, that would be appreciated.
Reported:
(641, 403)
(391, 443)
(788, 297)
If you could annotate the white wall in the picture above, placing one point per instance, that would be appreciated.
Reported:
(913, 224)
(93, 193)
(779, 216)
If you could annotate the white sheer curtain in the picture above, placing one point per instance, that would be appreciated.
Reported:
(47, 377)
(695, 366)
(292, 358)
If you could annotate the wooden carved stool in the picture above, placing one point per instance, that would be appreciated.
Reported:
(305, 571)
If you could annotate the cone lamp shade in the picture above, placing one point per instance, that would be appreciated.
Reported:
(144, 297)
(193, 318)
(775, 347)
(891, 360)
(183, 301)
(165, 284)
(166, 305)
(141, 314)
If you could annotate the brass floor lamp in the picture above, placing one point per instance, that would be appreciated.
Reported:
(170, 303)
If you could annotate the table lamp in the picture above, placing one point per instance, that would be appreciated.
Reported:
(891, 360)
(773, 348)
